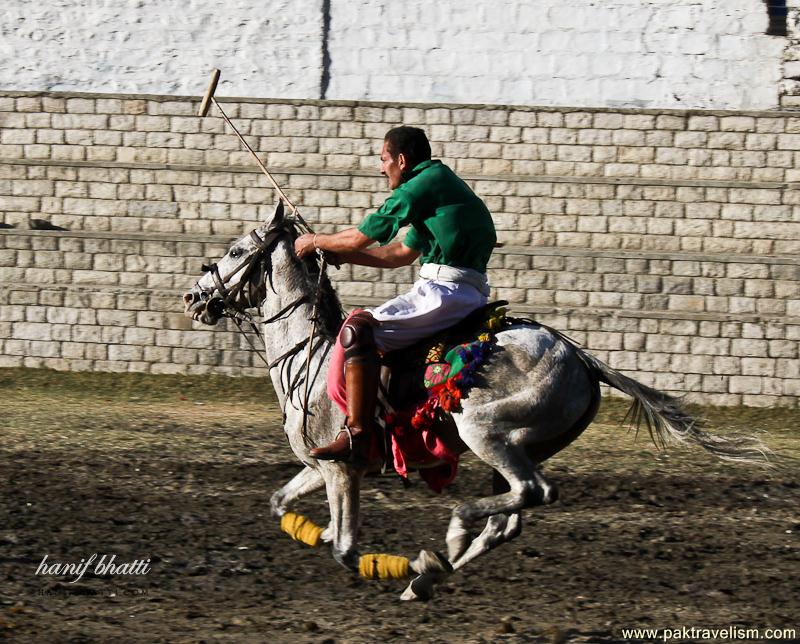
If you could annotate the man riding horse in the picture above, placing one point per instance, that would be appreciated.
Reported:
(452, 233)
(541, 393)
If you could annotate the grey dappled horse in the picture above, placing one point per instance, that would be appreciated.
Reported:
(538, 393)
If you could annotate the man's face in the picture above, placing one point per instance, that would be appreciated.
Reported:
(392, 168)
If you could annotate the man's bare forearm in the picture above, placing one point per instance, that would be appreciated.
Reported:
(391, 256)
(351, 246)
(342, 242)
(350, 240)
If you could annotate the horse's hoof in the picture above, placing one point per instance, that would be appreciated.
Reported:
(347, 559)
(420, 589)
(432, 563)
(276, 508)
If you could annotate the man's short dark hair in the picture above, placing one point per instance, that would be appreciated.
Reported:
(409, 141)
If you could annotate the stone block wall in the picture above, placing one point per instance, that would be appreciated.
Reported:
(666, 242)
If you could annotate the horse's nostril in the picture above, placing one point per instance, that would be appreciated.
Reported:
(189, 299)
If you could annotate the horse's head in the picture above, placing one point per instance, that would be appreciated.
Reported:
(236, 282)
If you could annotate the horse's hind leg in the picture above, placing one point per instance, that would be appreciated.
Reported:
(526, 488)
(499, 529)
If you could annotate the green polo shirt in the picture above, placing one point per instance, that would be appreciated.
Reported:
(450, 225)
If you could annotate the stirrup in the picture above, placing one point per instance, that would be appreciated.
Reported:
(351, 460)
(346, 430)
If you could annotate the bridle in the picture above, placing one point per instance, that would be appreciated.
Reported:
(228, 303)
(233, 303)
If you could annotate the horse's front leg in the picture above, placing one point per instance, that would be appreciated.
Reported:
(343, 487)
(308, 480)
(300, 528)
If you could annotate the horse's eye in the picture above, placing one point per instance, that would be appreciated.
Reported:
(236, 252)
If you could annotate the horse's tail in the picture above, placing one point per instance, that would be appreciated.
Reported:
(667, 421)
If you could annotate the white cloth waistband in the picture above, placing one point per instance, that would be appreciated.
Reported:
(443, 273)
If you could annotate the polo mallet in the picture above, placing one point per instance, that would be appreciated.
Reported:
(205, 104)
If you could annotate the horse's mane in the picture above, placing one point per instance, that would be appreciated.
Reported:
(307, 278)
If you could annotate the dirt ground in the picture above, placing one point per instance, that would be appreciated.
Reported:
(179, 471)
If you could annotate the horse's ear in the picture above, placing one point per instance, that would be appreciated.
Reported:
(277, 218)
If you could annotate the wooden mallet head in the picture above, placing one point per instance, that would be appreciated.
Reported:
(212, 87)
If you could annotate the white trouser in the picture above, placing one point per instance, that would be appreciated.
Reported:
(430, 306)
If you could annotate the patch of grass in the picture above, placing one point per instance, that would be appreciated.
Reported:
(51, 410)
(47, 407)
(119, 387)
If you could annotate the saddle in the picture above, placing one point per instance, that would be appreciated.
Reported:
(407, 374)
(422, 381)
(411, 406)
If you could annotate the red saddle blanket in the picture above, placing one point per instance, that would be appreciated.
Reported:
(447, 376)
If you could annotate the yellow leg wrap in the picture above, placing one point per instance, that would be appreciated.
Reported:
(383, 567)
(302, 529)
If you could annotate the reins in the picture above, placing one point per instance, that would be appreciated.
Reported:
(233, 303)
(314, 312)
(229, 307)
